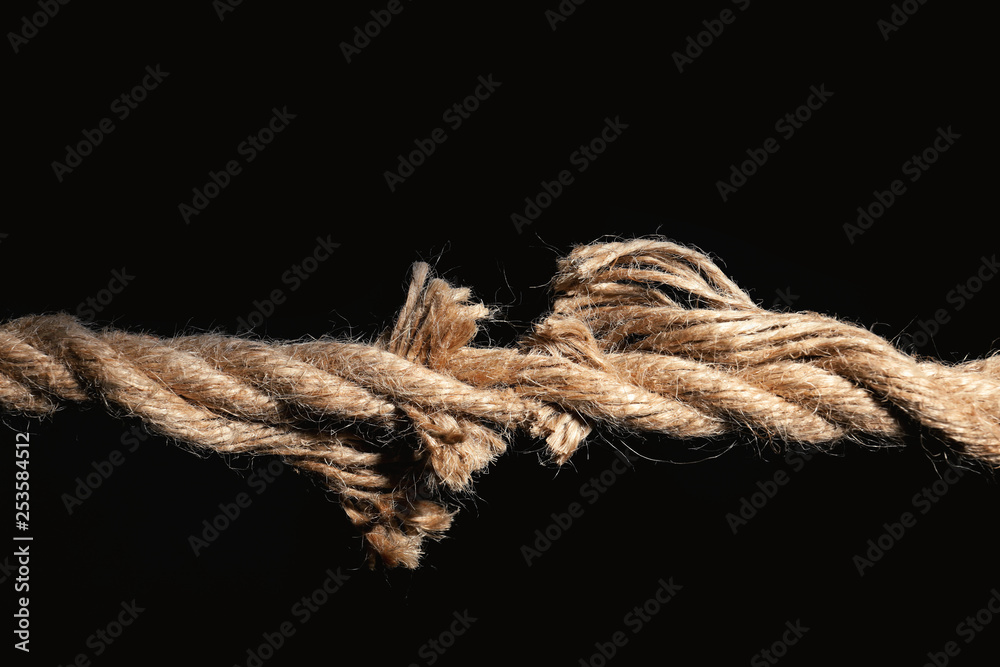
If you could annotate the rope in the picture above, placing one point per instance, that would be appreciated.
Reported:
(644, 336)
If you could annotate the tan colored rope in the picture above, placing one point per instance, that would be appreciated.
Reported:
(645, 335)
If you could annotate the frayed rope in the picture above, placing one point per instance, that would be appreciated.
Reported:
(644, 336)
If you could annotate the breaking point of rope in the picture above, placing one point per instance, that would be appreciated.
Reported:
(644, 336)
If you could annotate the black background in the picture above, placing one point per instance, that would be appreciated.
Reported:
(323, 176)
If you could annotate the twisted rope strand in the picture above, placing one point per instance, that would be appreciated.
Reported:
(645, 335)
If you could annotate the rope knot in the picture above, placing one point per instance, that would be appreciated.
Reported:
(435, 322)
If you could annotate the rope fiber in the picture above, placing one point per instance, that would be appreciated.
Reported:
(644, 336)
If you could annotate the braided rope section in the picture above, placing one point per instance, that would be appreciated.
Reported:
(644, 336)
